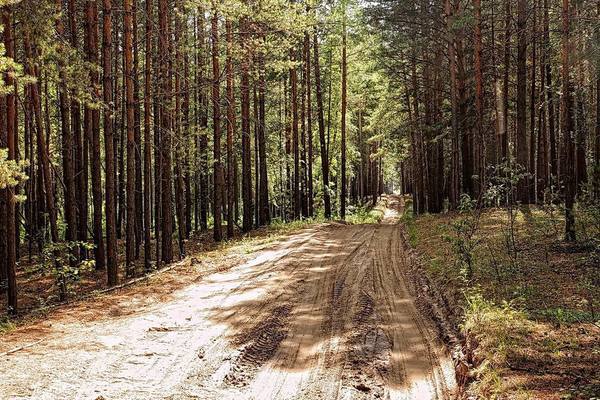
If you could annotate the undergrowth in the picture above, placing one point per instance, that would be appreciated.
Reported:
(6, 325)
(364, 215)
(495, 330)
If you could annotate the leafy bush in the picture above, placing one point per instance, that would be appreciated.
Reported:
(365, 215)
(464, 238)
(11, 171)
(62, 259)
(6, 325)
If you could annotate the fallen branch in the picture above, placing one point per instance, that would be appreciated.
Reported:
(19, 348)
(113, 288)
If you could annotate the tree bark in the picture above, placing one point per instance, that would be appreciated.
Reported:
(521, 139)
(295, 145)
(92, 116)
(309, 134)
(110, 193)
(166, 133)
(321, 121)
(246, 151)
(216, 99)
(344, 106)
(567, 125)
(264, 215)
(11, 138)
(80, 157)
(230, 128)
(147, 133)
(130, 243)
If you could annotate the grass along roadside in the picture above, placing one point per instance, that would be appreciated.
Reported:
(529, 309)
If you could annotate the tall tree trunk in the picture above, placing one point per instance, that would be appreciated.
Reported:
(321, 121)
(147, 133)
(264, 215)
(532, 108)
(521, 139)
(454, 189)
(478, 131)
(3, 194)
(344, 106)
(550, 96)
(166, 133)
(246, 151)
(92, 116)
(504, 150)
(130, 241)
(139, 202)
(11, 139)
(467, 137)
(309, 133)
(203, 122)
(216, 100)
(178, 127)
(79, 145)
(158, 155)
(109, 153)
(42, 148)
(567, 125)
(256, 157)
(597, 130)
(295, 145)
(542, 140)
(230, 128)
(67, 140)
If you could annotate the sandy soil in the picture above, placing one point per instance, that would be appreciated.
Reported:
(324, 314)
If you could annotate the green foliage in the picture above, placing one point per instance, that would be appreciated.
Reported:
(6, 325)
(11, 171)
(62, 260)
(565, 316)
(496, 329)
(280, 226)
(588, 215)
(408, 220)
(364, 215)
(464, 238)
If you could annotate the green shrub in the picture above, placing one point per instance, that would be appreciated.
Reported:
(63, 262)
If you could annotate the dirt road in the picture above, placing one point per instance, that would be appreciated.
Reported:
(324, 314)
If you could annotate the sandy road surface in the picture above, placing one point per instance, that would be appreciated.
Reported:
(324, 314)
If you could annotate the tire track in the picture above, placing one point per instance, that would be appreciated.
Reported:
(323, 315)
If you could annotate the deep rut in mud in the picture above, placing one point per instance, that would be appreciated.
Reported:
(324, 314)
